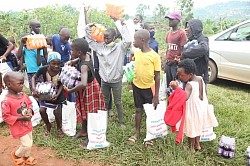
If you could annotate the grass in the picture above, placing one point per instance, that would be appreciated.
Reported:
(231, 102)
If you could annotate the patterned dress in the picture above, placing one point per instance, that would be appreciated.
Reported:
(89, 99)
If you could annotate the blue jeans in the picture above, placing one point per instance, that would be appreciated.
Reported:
(116, 89)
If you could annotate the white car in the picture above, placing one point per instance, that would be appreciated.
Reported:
(230, 54)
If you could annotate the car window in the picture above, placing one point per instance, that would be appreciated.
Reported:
(225, 36)
(243, 33)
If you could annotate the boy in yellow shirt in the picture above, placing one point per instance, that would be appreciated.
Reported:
(146, 73)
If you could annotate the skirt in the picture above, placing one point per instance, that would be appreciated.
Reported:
(89, 100)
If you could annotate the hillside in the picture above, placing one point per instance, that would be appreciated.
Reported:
(236, 10)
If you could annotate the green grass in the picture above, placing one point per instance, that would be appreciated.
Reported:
(232, 108)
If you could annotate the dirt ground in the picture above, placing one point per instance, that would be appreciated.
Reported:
(44, 156)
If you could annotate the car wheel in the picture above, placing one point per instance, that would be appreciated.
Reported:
(212, 71)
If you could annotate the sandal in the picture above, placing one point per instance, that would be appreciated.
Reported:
(80, 134)
(84, 144)
(30, 161)
(148, 144)
(132, 139)
(60, 133)
(46, 134)
(17, 161)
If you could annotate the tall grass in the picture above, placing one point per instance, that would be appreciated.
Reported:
(232, 108)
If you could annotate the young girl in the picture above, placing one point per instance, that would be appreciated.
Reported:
(196, 103)
(51, 73)
(17, 112)
(88, 94)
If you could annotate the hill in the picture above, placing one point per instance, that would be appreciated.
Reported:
(235, 10)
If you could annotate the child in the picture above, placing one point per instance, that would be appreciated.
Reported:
(32, 58)
(196, 102)
(152, 43)
(111, 58)
(146, 73)
(17, 112)
(51, 73)
(88, 94)
(176, 38)
(12, 58)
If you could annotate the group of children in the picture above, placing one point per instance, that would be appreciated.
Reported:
(90, 97)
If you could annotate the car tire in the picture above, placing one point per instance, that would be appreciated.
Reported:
(212, 71)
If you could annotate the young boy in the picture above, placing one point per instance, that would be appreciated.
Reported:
(152, 42)
(147, 73)
(32, 58)
(111, 58)
(176, 38)
(17, 112)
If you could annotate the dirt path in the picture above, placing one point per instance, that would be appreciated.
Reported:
(45, 156)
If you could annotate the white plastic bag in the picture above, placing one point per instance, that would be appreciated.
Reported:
(4, 68)
(97, 127)
(210, 122)
(163, 88)
(156, 126)
(69, 118)
(36, 118)
(2, 96)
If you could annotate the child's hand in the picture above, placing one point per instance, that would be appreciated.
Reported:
(67, 89)
(24, 118)
(54, 97)
(174, 84)
(155, 101)
(35, 93)
(177, 58)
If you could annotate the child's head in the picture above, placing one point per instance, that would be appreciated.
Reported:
(141, 38)
(79, 47)
(35, 26)
(150, 27)
(174, 19)
(186, 69)
(48, 40)
(64, 34)
(14, 81)
(109, 35)
(54, 61)
(12, 40)
(138, 19)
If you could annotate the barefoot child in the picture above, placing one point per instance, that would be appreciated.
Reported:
(17, 112)
(147, 73)
(51, 73)
(88, 94)
(196, 102)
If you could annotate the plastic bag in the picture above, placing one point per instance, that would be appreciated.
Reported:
(35, 41)
(36, 118)
(226, 147)
(69, 118)
(156, 126)
(97, 127)
(114, 11)
(163, 88)
(97, 32)
(129, 71)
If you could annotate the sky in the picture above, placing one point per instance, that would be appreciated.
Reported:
(129, 5)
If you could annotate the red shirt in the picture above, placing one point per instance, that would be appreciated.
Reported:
(11, 108)
(175, 40)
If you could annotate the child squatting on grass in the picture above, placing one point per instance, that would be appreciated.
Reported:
(51, 73)
(17, 112)
(88, 93)
(146, 73)
(196, 103)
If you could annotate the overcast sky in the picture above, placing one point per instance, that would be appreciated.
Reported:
(130, 5)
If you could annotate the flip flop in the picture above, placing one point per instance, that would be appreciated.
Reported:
(46, 134)
(84, 144)
(148, 144)
(30, 161)
(60, 133)
(80, 135)
(132, 139)
(17, 161)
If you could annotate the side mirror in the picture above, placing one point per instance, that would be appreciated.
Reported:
(233, 36)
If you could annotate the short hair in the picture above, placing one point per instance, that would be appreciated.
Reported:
(111, 31)
(81, 44)
(188, 65)
(141, 18)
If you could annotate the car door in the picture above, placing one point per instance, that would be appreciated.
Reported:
(234, 54)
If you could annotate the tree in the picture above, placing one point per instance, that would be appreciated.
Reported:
(141, 8)
(186, 9)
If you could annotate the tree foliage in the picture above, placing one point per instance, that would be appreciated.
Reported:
(186, 9)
